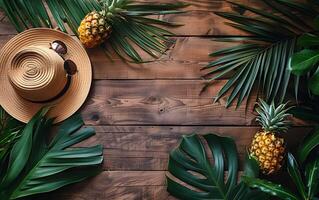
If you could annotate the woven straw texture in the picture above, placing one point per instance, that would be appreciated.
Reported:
(30, 71)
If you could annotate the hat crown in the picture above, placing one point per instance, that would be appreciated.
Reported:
(37, 73)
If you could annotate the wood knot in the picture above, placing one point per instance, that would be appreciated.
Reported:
(95, 117)
(152, 100)
(161, 110)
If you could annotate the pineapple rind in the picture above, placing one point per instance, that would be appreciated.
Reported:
(94, 30)
(267, 147)
(268, 150)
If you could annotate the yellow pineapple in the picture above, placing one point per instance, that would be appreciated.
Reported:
(267, 147)
(94, 29)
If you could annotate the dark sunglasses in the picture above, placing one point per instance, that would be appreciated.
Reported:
(60, 48)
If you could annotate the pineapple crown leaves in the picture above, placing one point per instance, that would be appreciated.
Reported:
(272, 118)
(113, 7)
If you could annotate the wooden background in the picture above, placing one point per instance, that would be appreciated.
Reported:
(140, 112)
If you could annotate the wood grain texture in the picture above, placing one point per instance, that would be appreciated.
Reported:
(140, 112)
(161, 102)
(131, 185)
(164, 102)
(148, 147)
(183, 60)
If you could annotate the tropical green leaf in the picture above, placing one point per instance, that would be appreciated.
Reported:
(270, 188)
(9, 133)
(267, 65)
(308, 40)
(294, 173)
(313, 83)
(202, 179)
(251, 167)
(306, 190)
(309, 143)
(22, 149)
(36, 166)
(305, 113)
(129, 20)
(312, 173)
(303, 61)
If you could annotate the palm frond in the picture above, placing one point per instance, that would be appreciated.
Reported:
(36, 166)
(9, 133)
(262, 59)
(133, 28)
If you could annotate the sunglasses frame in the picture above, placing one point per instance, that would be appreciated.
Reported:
(60, 48)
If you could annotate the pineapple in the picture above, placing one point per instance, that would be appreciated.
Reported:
(94, 29)
(267, 147)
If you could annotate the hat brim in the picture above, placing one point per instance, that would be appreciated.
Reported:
(66, 105)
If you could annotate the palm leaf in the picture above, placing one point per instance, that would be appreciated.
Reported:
(270, 188)
(189, 163)
(263, 60)
(36, 166)
(9, 133)
(308, 145)
(293, 170)
(312, 173)
(304, 190)
(133, 29)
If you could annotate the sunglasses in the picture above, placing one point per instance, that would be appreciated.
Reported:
(60, 48)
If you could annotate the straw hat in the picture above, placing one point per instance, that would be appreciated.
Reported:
(43, 67)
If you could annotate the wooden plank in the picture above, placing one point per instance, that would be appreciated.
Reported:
(164, 102)
(183, 60)
(116, 193)
(206, 5)
(147, 148)
(128, 185)
(161, 102)
(198, 20)
(6, 28)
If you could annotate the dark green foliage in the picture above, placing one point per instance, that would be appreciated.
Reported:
(303, 172)
(9, 133)
(202, 179)
(305, 62)
(38, 166)
(262, 60)
(305, 180)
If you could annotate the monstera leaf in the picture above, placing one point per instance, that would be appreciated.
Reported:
(36, 166)
(194, 177)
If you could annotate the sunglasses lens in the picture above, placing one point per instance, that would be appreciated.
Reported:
(59, 47)
(70, 67)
